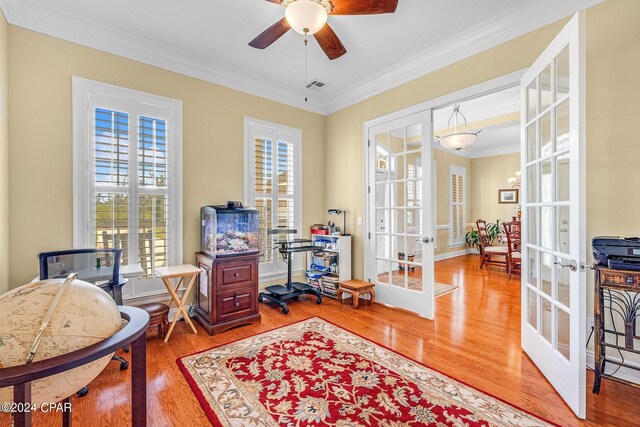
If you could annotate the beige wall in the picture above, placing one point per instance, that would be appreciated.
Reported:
(4, 161)
(444, 160)
(40, 129)
(613, 87)
(485, 176)
(344, 179)
(488, 175)
(41, 68)
(613, 91)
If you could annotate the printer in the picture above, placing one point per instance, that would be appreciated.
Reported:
(619, 253)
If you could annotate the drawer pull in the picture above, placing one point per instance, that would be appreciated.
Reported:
(235, 299)
(629, 279)
(237, 275)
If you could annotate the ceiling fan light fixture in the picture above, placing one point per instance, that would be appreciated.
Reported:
(458, 140)
(307, 16)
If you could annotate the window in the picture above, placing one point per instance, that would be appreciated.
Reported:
(414, 197)
(127, 177)
(272, 184)
(457, 205)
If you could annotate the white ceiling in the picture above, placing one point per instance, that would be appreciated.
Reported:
(208, 39)
(500, 138)
(481, 108)
(494, 141)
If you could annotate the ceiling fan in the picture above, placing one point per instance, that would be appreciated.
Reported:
(309, 17)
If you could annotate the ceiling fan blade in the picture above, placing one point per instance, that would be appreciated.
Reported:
(330, 43)
(271, 34)
(275, 1)
(363, 7)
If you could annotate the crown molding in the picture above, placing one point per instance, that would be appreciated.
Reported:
(48, 21)
(477, 154)
(499, 151)
(484, 36)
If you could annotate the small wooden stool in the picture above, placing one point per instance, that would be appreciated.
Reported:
(355, 288)
(158, 316)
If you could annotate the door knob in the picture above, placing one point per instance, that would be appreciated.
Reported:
(571, 265)
(425, 239)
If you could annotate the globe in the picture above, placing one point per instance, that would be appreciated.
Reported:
(84, 315)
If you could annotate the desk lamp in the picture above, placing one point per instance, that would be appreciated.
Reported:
(344, 218)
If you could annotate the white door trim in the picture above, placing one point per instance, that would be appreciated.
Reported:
(493, 85)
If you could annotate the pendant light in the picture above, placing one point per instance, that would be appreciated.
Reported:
(458, 139)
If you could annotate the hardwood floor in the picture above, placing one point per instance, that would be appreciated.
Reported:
(475, 338)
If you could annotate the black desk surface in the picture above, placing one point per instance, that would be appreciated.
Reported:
(292, 241)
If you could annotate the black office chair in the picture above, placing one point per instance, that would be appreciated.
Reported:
(279, 294)
(98, 266)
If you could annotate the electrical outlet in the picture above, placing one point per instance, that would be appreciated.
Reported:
(590, 322)
(360, 220)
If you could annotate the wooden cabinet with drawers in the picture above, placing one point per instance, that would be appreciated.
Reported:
(227, 292)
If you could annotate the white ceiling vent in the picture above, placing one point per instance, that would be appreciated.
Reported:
(316, 85)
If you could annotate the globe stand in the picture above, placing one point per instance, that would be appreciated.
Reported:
(134, 333)
(124, 365)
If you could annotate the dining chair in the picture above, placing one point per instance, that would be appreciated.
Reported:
(514, 247)
(490, 254)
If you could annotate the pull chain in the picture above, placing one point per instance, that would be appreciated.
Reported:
(306, 43)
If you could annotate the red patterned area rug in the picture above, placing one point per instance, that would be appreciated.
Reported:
(314, 373)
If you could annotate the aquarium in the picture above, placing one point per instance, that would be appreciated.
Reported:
(229, 230)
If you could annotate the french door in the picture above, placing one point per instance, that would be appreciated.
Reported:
(553, 281)
(400, 215)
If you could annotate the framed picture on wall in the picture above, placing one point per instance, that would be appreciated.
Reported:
(509, 196)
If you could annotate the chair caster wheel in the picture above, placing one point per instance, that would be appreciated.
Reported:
(285, 310)
(82, 392)
(124, 366)
(318, 300)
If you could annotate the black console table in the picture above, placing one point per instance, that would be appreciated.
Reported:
(616, 299)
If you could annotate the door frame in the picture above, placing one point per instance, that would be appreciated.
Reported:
(489, 86)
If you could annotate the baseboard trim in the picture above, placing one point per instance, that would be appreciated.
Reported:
(455, 254)
(624, 373)
(281, 275)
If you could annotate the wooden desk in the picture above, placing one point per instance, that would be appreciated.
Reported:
(620, 288)
(180, 272)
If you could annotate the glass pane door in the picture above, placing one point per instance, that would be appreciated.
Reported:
(397, 195)
(399, 208)
(548, 205)
(553, 293)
